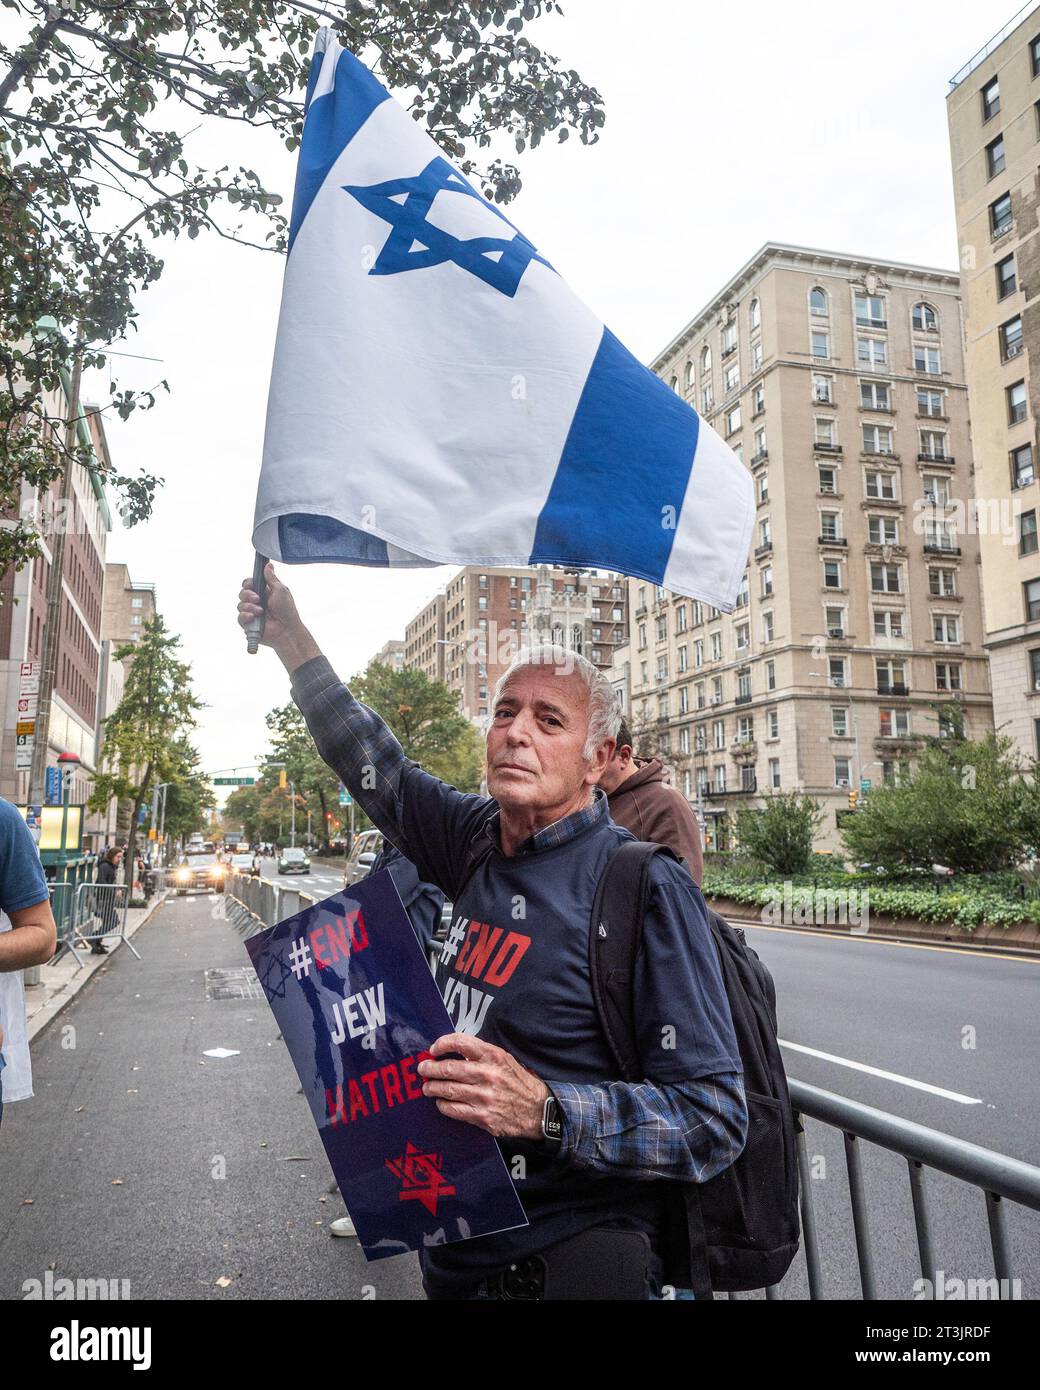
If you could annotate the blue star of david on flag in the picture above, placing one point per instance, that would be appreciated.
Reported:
(416, 243)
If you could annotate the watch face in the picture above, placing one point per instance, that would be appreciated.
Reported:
(552, 1124)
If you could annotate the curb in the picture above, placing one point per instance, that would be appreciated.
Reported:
(912, 937)
(64, 994)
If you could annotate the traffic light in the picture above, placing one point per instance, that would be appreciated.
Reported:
(281, 779)
(853, 798)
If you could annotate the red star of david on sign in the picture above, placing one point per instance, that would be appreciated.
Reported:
(420, 1177)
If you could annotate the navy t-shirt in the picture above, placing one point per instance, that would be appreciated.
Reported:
(515, 972)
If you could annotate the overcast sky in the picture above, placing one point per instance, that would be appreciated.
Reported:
(821, 124)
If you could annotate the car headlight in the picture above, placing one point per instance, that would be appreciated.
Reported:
(183, 875)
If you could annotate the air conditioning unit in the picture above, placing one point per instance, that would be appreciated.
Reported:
(1014, 349)
(838, 681)
(836, 632)
(844, 783)
(716, 699)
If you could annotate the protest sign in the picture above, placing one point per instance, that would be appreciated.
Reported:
(354, 999)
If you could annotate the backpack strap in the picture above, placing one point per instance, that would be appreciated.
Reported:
(615, 935)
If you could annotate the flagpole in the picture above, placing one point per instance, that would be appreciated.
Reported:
(255, 629)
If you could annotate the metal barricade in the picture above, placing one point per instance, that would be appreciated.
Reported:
(253, 904)
(99, 914)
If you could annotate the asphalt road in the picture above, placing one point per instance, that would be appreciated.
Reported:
(142, 1159)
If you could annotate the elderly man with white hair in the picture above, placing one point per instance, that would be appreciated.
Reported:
(528, 1061)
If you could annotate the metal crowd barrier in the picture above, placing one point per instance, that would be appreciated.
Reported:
(253, 904)
(997, 1178)
(99, 914)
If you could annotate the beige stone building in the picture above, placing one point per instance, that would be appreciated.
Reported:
(994, 119)
(128, 606)
(466, 636)
(391, 654)
(840, 382)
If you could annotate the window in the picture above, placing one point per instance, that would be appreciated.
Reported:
(136, 620)
(690, 377)
(698, 653)
(729, 339)
(760, 444)
(1022, 474)
(744, 684)
(482, 601)
(839, 721)
(872, 352)
(684, 739)
(137, 603)
(641, 635)
(883, 530)
(745, 729)
(772, 723)
(877, 439)
(870, 311)
(888, 623)
(820, 345)
(825, 432)
(767, 627)
(947, 675)
(927, 360)
(991, 99)
(933, 444)
(874, 395)
(894, 723)
(707, 399)
(731, 378)
(758, 400)
(733, 420)
(930, 403)
(828, 482)
(830, 528)
(763, 488)
(720, 779)
(1032, 598)
(764, 533)
(718, 731)
(842, 772)
(699, 688)
(716, 646)
(684, 701)
(939, 535)
(770, 675)
(885, 579)
(1018, 406)
(925, 319)
(881, 486)
(661, 626)
(1011, 338)
(835, 622)
(1000, 218)
(1007, 280)
(744, 592)
(755, 314)
(942, 583)
(680, 618)
(823, 390)
(1027, 537)
(683, 659)
(832, 574)
(937, 489)
(818, 302)
(995, 157)
(756, 355)
(774, 773)
(946, 627)
(766, 575)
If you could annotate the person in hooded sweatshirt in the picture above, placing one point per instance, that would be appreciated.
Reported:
(641, 800)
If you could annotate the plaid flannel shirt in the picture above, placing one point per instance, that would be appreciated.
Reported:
(687, 1130)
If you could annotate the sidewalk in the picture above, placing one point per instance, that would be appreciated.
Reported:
(61, 983)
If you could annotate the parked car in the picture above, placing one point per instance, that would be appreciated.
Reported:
(200, 871)
(367, 848)
(293, 861)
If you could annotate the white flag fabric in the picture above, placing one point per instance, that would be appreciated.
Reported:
(440, 396)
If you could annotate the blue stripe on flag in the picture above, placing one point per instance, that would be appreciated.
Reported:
(311, 540)
(628, 456)
(331, 123)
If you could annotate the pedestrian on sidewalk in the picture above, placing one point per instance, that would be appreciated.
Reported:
(641, 800)
(27, 937)
(106, 877)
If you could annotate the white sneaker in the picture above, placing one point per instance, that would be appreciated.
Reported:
(342, 1227)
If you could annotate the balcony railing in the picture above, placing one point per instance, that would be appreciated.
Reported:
(935, 458)
(834, 540)
(892, 688)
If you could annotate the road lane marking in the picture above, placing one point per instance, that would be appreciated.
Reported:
(885, 1075)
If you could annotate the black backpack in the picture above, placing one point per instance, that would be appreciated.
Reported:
(739, 1230)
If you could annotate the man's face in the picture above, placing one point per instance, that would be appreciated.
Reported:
(536, 740)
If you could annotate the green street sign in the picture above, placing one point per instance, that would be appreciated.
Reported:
(234, 781)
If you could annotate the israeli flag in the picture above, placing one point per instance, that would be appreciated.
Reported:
(440, 396)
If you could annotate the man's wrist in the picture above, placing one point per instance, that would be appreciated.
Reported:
(294, 651)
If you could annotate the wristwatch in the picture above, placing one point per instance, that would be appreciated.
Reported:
(552, 1122)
